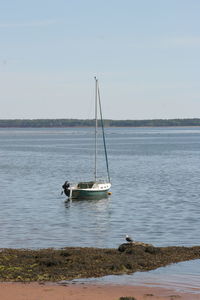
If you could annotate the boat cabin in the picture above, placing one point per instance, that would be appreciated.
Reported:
(85, 185)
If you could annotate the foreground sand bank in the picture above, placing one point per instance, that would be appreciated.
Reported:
(35, 291)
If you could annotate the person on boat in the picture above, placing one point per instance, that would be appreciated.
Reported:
(66, 185)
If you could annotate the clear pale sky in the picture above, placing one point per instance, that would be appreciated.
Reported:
(146, 54)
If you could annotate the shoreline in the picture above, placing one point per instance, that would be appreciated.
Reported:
(70, 291)
(50, 274)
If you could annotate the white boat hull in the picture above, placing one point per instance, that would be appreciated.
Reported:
(93, 191)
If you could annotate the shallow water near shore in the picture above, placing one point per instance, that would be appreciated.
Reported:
(182, 277)
(155, 189)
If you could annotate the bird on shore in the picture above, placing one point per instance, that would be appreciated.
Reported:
(129, 239)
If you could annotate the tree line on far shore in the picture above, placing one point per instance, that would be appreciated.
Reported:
(39, 123)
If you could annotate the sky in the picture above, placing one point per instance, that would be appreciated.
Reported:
(145, 53)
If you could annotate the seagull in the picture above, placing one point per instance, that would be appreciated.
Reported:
(129, 239)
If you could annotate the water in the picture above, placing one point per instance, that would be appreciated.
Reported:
(155, 188)
(181, 277)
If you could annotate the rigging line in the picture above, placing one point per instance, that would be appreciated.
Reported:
(96, 125)
(102, 126)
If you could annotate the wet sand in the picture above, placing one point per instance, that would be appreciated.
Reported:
(49, 291)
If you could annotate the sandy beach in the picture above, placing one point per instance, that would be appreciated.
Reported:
(35, 291)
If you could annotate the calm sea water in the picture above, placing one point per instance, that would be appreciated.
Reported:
(155, 187)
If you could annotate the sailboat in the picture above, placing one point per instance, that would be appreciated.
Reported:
(96, 188)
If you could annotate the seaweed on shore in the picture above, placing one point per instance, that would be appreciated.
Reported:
(74, 262)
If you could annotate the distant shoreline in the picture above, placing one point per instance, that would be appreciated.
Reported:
(84, 123)
(65, 127)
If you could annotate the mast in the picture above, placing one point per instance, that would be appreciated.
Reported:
(96, 125)
(104, 139)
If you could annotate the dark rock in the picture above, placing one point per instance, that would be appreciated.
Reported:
(122, 247)
(127, 298)
(135, 247)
